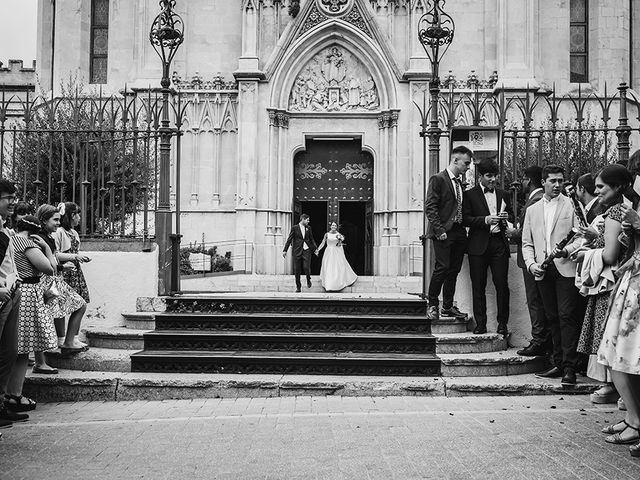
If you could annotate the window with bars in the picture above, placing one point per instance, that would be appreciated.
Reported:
(99, 41)
(579, 41)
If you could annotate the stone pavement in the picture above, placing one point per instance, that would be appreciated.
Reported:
(320, 437)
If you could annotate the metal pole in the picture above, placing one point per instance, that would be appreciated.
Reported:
(426, 271)
(164, 224)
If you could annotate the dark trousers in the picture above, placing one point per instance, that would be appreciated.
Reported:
(8, 340)
(562, 307)
(302, 264)
(496, 257)
(449, 255)
(540, 335)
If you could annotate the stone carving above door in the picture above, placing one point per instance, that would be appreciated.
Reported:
(334, 81)
(334, 7)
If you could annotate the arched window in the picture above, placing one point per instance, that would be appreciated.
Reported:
(579, 41)
(99, 41)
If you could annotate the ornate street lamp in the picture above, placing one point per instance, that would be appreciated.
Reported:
(166, 35)
(435, 34)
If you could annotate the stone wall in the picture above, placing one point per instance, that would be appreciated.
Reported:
(119, 273)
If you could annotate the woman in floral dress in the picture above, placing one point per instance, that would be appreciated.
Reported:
(611, 183)
(67, 302)
(67, 247)
(620, 346)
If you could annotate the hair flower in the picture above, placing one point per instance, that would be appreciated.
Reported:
(61, 208)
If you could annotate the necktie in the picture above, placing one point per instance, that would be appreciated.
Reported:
(458, 185)
(488, 190)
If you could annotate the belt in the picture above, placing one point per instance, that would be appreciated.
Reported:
(31, 280)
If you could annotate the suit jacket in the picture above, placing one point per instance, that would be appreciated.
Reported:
(441, 205)
(295, 237)
(533, 234)
(595, 210)
(530, 201)
(474, 211)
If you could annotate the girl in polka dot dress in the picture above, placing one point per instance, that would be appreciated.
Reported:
(36, 332)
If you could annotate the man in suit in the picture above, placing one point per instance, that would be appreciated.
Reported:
(443, 209)
(540, 336)
(546, 223)
(303, 244)
(486, 210)
(586, 193)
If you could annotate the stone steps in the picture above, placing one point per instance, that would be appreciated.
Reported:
(506, 362)
(146, 321)
(133, 339)
(71, 385)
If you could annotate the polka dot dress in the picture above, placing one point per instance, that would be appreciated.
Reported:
(36, 331)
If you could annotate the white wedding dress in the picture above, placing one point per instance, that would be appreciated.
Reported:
(335, 273)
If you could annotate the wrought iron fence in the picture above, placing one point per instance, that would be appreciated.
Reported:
(99, 152)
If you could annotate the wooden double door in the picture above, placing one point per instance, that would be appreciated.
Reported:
(334, 183)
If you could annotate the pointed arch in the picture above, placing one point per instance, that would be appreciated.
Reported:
(335, 32)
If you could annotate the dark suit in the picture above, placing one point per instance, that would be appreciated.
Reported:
(301, 257)
(540, 335)
(487, 250)
(441, 208)
(595, 210)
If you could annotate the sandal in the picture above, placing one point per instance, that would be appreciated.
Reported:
(46, 371)
(611, 429)
(617, 439)
(634, 450)
(15, 403)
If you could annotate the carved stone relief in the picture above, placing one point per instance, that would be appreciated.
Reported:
(334, 81)
(334, 7)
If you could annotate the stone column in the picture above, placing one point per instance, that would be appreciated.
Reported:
(518, 55)
(249, 59)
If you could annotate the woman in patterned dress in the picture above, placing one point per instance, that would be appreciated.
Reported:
(67, 302)
(67, 246)
(36, 333)
(620, 346)
(611, 183)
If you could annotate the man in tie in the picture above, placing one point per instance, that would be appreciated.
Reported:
(303, 244)
(449, 237)
(546, 223)
(586, 193)
(540, 336)
(486, 211)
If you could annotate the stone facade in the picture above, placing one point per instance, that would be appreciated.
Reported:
(261, 82)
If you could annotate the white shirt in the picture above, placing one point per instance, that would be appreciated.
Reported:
(550, 207)
(7, 267)
(304, 244)
(492, 202)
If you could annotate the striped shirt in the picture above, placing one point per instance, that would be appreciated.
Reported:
(24, 267)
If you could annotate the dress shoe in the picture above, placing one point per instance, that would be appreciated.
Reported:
(502, 329)
(452, 312)
(569, 377)
(532, 350)
(634, 450)
(298, 290)
(13, 416)
(621, 405)
(6, 424)
(308, 283)
(480, 329)
(553, 372)
(432, 313)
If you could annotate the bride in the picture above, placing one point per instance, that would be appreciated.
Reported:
(335, 273)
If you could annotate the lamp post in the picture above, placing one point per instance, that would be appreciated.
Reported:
(166, 35)
(435, 34)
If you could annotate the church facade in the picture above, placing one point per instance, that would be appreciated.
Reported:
(309, 106)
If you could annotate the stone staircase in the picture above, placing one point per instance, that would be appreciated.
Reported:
(461, 353)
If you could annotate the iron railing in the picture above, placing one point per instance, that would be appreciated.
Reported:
(99, 152)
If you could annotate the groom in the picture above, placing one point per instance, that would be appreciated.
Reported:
(303, 245)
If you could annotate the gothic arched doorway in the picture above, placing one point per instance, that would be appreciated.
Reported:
(333, 181)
